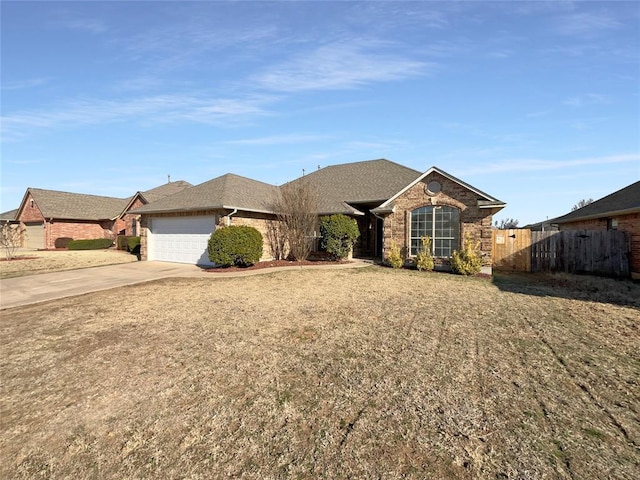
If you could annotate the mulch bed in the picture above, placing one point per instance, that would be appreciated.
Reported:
(5, 259)
(271, 264)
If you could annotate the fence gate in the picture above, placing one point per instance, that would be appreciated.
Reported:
(512, 250)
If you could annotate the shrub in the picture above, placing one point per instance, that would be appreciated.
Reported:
(235, 245)
(133, 243)
(395, 256)
(424, 259)
(93, 244)
(11, 238)
(468, 261)
(339, 233)
(62, 242)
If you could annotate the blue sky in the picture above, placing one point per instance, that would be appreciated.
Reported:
(535, 103)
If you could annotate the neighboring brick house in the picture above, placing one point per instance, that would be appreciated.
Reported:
(617, 211)
(390, 202)
(49, 214)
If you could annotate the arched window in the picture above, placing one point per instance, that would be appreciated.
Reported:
(441, 224)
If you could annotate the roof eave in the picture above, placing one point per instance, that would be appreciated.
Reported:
(595, 216)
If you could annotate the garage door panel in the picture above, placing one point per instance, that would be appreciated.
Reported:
(180, 239)
(34, 235)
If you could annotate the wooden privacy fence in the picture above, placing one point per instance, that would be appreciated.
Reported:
(573, 251)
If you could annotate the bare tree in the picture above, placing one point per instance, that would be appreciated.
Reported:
(582, 203)
(277, 239)
(11, 237)
(297, 209)
(507, 223)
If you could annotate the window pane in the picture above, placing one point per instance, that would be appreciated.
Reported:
(441, 224)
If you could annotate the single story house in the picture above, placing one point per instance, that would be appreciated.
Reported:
(390, 202)
(617, 211)
(49, 214)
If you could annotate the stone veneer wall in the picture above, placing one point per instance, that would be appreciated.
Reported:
(474, 220)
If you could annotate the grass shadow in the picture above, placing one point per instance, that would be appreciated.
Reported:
(570, 286)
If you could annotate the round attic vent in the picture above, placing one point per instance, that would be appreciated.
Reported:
(433, 187)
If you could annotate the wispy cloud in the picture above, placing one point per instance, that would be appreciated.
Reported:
(89, 25)
(342, 65)
(585, 23)
(23, 84)
(587, 99)
(145, 111)
(279, 139)
(522, 165)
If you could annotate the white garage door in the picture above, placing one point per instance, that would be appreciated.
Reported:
(180, 239)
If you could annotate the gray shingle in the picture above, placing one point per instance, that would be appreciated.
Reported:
(77, 206)
(227, 191)
(165, 190)
(372, 181)
(623, 200)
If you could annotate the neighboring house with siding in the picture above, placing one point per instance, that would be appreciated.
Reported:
(390, 202)
(49, 214)
(617, 211)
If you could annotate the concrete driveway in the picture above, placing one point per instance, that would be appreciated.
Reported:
(30, 289)
(19, 291)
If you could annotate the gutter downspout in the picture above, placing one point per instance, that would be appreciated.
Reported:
(235, 210)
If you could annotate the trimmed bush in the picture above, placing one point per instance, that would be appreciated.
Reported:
(133, 243)
(62, 242)
(339, 233)
(394, 259)
(93, 244)
(235, 245)
(468, 261)
(424, 259)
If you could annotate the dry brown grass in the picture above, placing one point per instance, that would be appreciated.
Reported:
(370, 373)
(58, 260)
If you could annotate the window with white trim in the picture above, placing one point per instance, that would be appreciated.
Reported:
(441, 224)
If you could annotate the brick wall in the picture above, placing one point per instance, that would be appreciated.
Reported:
(77, 230)
(626, 223)
(473, 220)
(30, 212)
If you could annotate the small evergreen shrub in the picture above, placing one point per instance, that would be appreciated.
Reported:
(133, 243)
(121, 242)
(239, 245)
(339, 233)
(62, 242)
(93, 244)
(394, 259)
(424, 259)
(468, 261)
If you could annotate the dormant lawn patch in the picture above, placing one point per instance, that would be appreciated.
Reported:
(369, 373)
(33, 262)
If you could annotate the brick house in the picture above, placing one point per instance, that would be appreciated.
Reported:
(617, 211)
(390, 202)
(49, 214)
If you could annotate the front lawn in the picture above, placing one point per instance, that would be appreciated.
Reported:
(364, 373)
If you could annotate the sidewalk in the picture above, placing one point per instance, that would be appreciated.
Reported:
(19, 291)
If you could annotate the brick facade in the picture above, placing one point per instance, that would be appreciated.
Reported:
(473, 220)
(630, 224)
(59, 228)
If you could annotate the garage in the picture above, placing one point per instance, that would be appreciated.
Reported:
(34, 235)
(180, 239)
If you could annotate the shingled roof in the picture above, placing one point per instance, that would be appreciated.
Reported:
(8, 216)
(343, 186)
(165, 190)
(76, 206)
(228, 191)
(623, 201)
